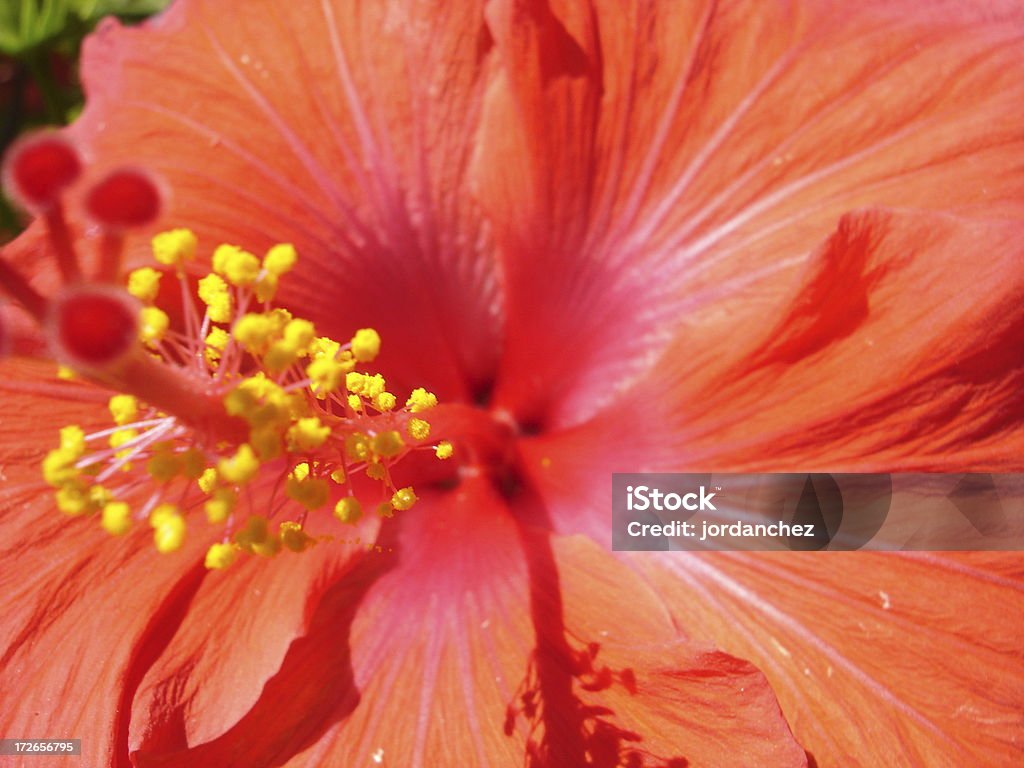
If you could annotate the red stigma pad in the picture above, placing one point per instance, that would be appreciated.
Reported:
(39, 168)
(94, 327)
(124, 199)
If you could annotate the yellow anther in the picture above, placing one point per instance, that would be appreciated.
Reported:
(59, 468)
(355, 403)
(124, 409)
(72, 500)
(365, 345)
(300, 333)
(373, 386)
(218, 339)
(384, 509)
(220, 556)
(163, 466)
(66, 374)
(323, 347)
(348, 510)
(357, 446)
(162, 513)
(300, 471)
(254, 332)
(385, 401)
(420, 400)
(193, 463)
(175, 247)
(404, 498)
(269, 416)
(216, 342)
(169, 533)
(279, 318)
(307, 434)
(72, 440)
(220, 505)
(240, 402)
(59, 464)
(376, 471)
(208, 480)
(255, 537)
(354, 382)
(388, 444)
(266, 442)
(99, 497)
(294, 538)
(240, 468)
(117, 518)
(265, 287)
(144, 284)
(153, 324)
(364, 384)
(267, 548)
(280, 259)
(418, 429)
(239, 267)
(254, 534)
(260, 386)
(215, 294)
(279, 356)
(119, 438)
(339, 476)
(310, 492)
(325, 375)
(444, 450)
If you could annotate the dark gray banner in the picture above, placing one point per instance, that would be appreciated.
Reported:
(819, 511)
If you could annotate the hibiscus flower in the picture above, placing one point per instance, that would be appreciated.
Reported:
(649, 236)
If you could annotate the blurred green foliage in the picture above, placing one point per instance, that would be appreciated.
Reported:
(26, 25)
(39, 45)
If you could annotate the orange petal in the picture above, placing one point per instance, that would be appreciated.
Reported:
(83, 614)
(896, 348)
(455, 648)
(878, 659)
(642, 161)
(345, 129)
(240, 626)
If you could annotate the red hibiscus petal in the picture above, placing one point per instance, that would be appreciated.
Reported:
(667, 155)
(896, 349)
(369, 683)
(342, 128)
(878, 659)
(912, 657)
(84, 614)
(239, 627)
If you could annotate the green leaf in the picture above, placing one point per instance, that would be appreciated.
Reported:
(26, 25)
(95, 9)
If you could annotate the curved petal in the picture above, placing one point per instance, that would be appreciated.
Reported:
(454, 645)
(879, 659)
(84, 614)
(896, 349)
(240, 625)
(665, 155)
(342, 127)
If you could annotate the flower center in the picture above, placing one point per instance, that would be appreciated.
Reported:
(232, 397)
